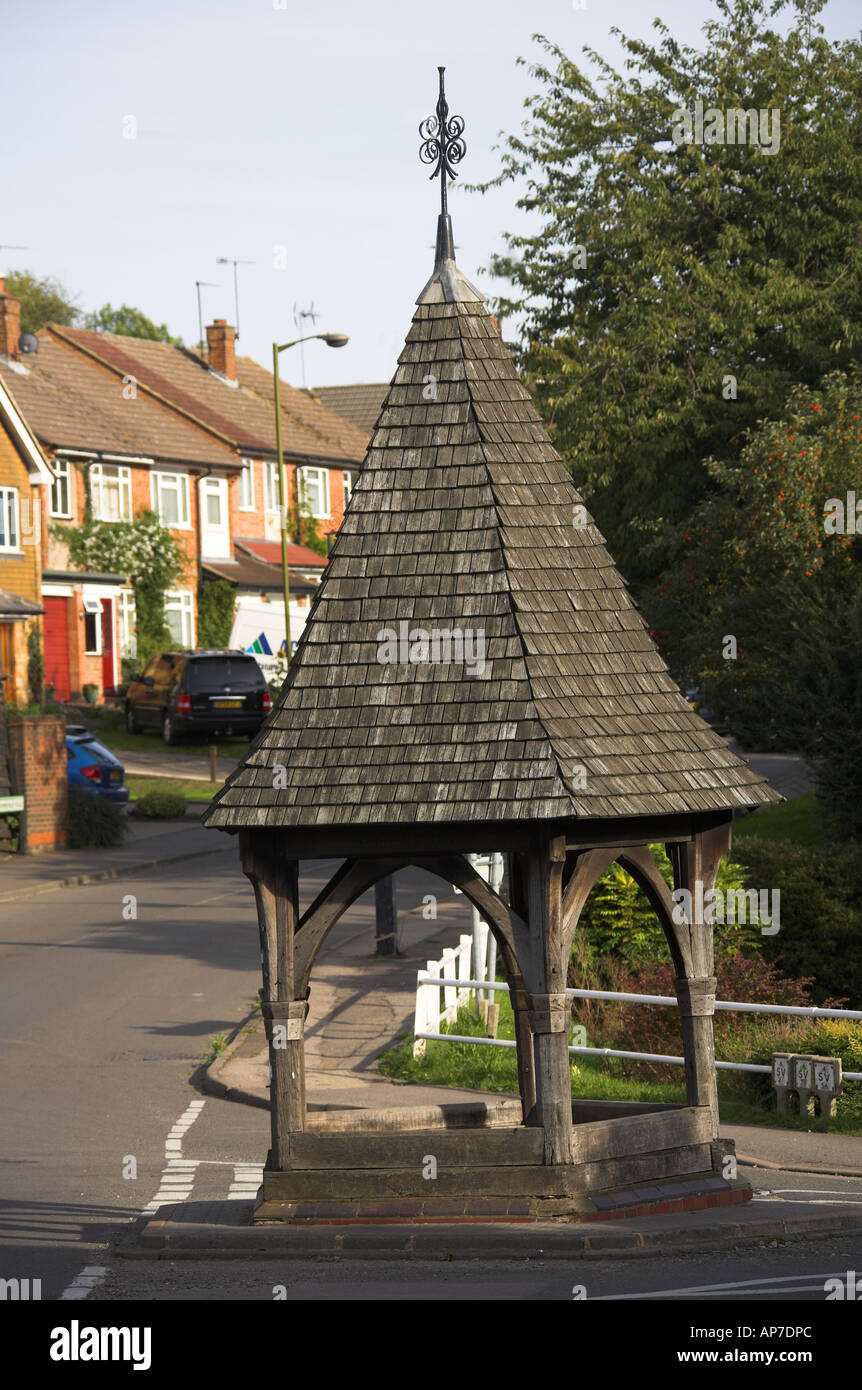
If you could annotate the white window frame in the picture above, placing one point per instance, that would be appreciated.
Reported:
(212, 487)
(120, 474)
(10, 521)
(62, 470)
(98, 616)
(182, 601)
(126, 619)
(273, 491)
(348, 479)
(323, 480)
(245, 482)
(172, 481)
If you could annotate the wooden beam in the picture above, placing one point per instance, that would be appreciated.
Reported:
(349, 882)
(512, 836)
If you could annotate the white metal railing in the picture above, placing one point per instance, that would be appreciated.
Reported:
(429, 1016)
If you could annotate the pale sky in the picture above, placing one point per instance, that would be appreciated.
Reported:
(260, 127)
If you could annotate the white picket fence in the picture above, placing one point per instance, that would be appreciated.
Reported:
(458, 970)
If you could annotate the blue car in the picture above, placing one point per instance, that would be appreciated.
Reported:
(92, 767)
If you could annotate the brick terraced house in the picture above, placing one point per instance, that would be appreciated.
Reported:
(23, 473)
(128, 424)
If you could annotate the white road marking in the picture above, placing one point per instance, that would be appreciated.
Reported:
(89, 1278)
(176, 1184)
(818, 1191)
(247, 1178)
(741, 1287)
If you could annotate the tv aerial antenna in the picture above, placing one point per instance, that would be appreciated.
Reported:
(205, 284)
(229, 260)
(299, 317)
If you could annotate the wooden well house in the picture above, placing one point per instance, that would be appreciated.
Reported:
(474, 677)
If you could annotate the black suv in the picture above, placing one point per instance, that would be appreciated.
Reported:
(198, 692)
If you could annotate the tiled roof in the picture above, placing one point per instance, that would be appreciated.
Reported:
(14, 606)
(241, 415)
(298, 556)
(305, 420)
(71, 402)
(464, 518)
(360, 404)
(250, 573)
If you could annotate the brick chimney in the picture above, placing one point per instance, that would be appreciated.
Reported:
(10, 324)
(222, 352)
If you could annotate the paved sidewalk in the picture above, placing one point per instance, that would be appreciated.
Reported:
(25, 876)
(360, 1003)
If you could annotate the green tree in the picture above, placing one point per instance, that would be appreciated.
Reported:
(129, 323)
(43, 300)
(762, 563)
(664, 277)
(146, 551)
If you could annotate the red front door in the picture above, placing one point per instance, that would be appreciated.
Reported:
(108, 678)
(57, 645)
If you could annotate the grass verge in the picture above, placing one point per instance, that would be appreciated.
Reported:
(110, 727)
(495, 1069)
(797, 820)
(188, 788)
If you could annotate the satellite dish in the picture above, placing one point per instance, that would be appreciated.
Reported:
(28, 343)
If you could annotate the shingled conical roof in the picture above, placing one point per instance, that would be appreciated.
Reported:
(464, 519)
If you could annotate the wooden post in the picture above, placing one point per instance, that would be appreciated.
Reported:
(523, 1038)
(548, 1008)
(696, 999)
(386, 924)
(695, 865)
(213, 756)
(276, 886)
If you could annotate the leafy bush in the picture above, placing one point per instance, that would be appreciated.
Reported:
(35, 665)
(278, 677)
(92, 822)
(821, 911)
(216, 608)
(161, 805)
(618, 931)
(738, 1036)
(618, 920)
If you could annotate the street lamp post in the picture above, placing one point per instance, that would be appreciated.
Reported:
(331, 340)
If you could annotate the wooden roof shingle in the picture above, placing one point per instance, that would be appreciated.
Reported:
(464, 520)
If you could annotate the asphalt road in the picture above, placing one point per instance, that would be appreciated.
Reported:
(105, 1016)
(793, 1272)
(104, 1019)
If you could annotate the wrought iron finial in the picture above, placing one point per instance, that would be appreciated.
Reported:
(443, 145)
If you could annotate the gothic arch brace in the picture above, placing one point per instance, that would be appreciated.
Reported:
(356, 876)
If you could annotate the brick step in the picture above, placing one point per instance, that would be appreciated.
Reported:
(692, 1194)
